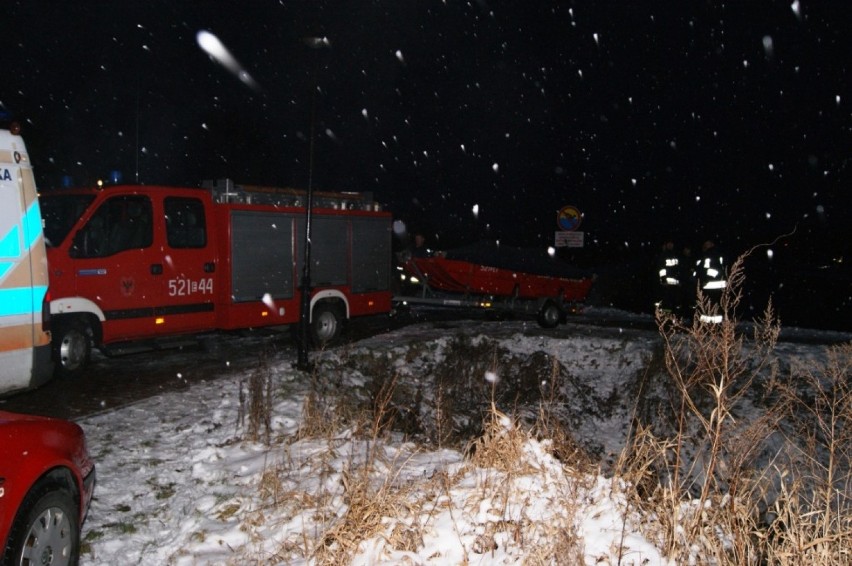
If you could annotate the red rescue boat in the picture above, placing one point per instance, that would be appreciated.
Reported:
(505, 272)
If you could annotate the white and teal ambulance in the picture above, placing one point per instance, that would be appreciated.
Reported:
(25, 360)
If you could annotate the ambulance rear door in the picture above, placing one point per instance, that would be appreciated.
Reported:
(24, 343)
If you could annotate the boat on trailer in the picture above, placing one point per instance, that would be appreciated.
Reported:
(490, 276)
(458, 276)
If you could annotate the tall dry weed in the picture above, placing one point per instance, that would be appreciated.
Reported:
(501, 449)
(256, 402)
(322, 412)
(367, 507)
(501, 445)
(548, 425)
(813, 513)
(701, 481)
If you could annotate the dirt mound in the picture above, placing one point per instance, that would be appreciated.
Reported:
(438, 386)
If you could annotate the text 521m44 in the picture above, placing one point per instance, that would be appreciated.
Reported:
(185, 287)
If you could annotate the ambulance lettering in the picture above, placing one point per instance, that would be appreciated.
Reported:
(5, 175)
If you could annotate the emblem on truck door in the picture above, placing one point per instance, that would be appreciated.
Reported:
(128, 285)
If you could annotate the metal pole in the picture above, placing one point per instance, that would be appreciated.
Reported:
(302, 362)
(305, 320)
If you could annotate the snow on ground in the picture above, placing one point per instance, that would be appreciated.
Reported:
(180, 483)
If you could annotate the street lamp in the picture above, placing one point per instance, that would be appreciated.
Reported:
(302, 361)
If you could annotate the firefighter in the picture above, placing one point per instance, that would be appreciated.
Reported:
(686, 301)
(670, 270)
(711, 277)
(419, 248)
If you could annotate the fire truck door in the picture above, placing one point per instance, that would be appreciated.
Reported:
(189, 267)
(111, 257)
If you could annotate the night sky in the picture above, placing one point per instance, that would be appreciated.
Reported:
(695, 120)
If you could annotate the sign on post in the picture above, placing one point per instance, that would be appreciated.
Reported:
(568, 219)
(568, 239)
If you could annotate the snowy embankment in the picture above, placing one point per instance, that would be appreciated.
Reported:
(179, 481)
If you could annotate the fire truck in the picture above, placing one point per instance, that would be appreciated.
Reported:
(140, 264)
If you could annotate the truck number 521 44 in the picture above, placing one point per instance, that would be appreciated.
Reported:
(185, 287)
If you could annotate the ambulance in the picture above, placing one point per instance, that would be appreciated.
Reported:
(25, 350)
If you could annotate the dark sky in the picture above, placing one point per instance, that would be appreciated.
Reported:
(697, 119)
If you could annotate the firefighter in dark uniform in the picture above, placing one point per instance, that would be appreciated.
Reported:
(711, 277)
(419, 248)
(670, 270)
(686, 303)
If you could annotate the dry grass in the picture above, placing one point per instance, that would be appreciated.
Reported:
(501, 445)
(814, 510)
(712, 502)
(502, 450)
(548, 425)
(325, 413)
(696, 478)
(367, 507)
(256, 403)
(377, 505)
(709, 503)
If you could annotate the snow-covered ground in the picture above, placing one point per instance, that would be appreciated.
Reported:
(180, 482)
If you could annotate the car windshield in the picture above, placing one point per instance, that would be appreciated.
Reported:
(60, 213)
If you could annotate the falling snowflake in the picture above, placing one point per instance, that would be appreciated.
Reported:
(218, 52)
(797, 9)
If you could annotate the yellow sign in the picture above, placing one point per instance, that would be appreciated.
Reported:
(569, 218)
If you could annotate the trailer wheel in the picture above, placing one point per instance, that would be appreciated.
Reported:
(72, 347)
(326, 324)
(549, 315)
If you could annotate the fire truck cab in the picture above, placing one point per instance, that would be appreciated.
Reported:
(130, 263)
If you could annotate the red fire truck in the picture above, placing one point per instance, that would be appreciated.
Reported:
(134, 263)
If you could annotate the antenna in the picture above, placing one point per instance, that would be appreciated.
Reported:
(137, 128)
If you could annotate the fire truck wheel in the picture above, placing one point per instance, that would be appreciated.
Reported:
(72, 342)
(549, 315)
(327, 324)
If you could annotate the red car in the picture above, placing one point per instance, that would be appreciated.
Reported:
(46, 482)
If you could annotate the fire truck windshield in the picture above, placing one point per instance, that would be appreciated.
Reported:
(60, 213)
